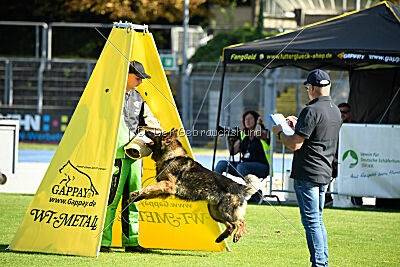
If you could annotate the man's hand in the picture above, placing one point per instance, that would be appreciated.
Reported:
(291, 121)
(276, 129)
(295, 141)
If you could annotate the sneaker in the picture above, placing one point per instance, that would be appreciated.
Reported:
(138, 248)
(106, 249)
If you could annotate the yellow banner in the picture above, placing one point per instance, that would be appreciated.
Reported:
(170, 223)
(66, 215)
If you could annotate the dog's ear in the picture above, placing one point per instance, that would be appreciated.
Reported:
(168, 137)
(150, 134)
(165, 134)
(174, 133)
(154, 135)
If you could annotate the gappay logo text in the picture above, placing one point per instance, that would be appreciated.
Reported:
(73, 188)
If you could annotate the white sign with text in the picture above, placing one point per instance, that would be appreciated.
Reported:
(369, 160)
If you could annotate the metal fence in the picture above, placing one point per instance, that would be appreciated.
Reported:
(203, 104)
(30, 85)
(279, 90)
(36, 86)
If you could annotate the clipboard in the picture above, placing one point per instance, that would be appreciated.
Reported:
(279, 119)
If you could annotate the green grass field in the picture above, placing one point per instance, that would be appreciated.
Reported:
(356, 238)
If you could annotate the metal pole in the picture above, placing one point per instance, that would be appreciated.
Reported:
(274, 91)
(45, 49)
(358, 5)
(271, 153)
(49, 41)
(185, 27)
(88, 71)
(268, 103)
(184, 91)
(36, 41)
(219, 113)
(41, 70)
(5, 97)
(283, 164)
(390, 104)
(190, 122)
(10, 84)
(273, 141)
(40, 86)
(44, 41)
(298, 95)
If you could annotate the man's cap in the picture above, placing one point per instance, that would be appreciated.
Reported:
(318, 78)
(138, 69)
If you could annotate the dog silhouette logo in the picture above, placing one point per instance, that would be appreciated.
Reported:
(74, 183)
(353, 155)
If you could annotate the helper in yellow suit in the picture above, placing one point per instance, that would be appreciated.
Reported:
(128, 172)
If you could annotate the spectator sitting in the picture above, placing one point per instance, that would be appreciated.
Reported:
(253, 145)
(345, 111)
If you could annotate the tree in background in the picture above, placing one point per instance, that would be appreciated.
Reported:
(137, 11)
(143, 11)
(87, 43)
(213, 49)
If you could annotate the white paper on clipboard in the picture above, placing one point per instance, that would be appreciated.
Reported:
(280, 119)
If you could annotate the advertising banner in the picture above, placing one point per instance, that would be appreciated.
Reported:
(369, 160)
(47, 127)
(66, 214)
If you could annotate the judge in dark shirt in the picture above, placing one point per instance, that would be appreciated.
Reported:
(314, 143)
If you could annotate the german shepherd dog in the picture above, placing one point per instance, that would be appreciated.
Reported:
(180, 175)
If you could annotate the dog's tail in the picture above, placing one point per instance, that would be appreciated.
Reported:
(253, 185)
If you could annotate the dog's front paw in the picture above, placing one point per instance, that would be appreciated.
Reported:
(236, 238)
(134, 196)
(237, 235)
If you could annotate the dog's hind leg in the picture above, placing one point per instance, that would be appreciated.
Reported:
(227, 212)
(152, 191)
(228, 231)
(215, 213)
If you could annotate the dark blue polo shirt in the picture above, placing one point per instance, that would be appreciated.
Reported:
(319, 123)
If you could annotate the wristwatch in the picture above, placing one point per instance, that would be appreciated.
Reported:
(279, 135)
